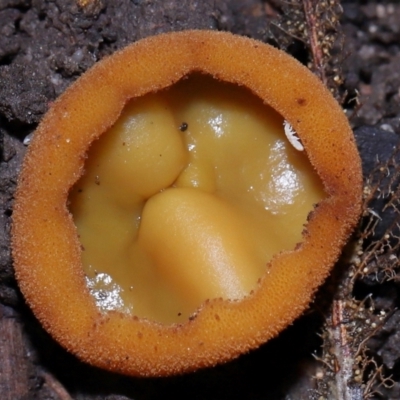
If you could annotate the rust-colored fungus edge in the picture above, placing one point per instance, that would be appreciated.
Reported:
(45, 244)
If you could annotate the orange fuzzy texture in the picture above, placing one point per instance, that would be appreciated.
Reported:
(45, 243)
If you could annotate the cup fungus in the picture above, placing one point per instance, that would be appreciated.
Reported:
(46, 247)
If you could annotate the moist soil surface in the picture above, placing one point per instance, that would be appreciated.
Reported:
(46, 45)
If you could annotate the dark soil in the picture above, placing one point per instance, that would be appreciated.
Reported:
(45, 45)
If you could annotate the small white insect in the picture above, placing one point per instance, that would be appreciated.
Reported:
(292, 136)
(28, 139)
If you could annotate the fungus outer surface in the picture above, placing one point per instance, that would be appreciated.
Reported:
(46, 247)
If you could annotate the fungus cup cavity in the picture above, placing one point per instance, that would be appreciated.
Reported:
(46, 248)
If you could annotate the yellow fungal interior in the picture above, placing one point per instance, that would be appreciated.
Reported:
(187, 198)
